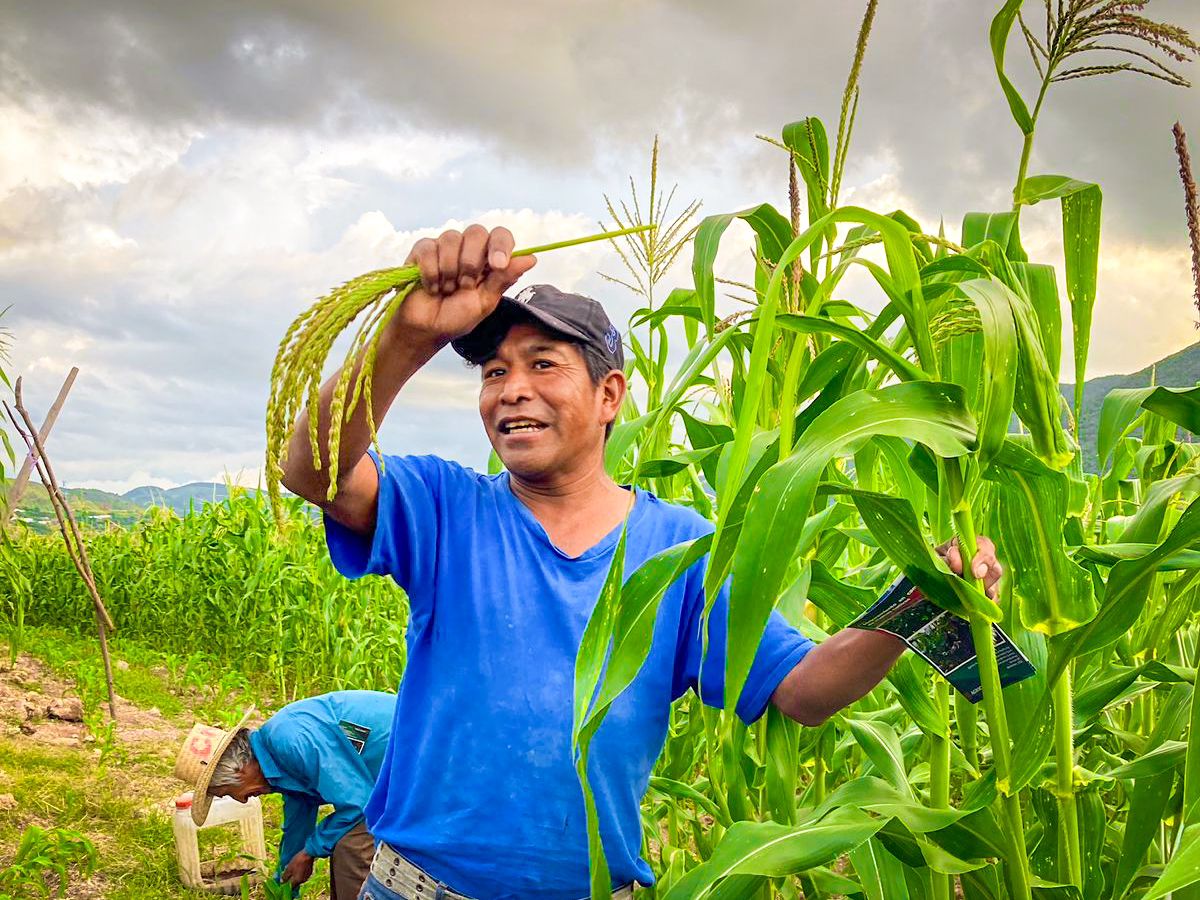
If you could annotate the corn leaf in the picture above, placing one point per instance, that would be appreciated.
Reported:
(998, 381)
(879, 741)
(782, 765)
(998, 33)
(621, 441)
(1178, 405)
(1109, 554)
(1081, 204)
(1183, 869)
(892, 521)
(1147, 807)
(1041, 287)
(772, 229)
(904, 370)
(998, 227)
(1056, 593)
(770, 849)
(881, 874)
(1118, 415)
(1163, 758)
(928, 412)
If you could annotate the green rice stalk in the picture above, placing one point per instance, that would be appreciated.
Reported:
(305, 348)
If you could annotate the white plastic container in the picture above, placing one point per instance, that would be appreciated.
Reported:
(225, 811)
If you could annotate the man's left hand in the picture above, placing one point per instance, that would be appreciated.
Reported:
(299, 870)
(984, 566)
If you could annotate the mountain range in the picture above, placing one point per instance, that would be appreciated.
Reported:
(99, 508)
(1180, 369)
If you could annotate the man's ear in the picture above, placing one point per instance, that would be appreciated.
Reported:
(613, 389)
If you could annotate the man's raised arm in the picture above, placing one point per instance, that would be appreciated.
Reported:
(463, 276)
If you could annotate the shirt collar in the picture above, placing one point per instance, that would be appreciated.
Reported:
(266, 760)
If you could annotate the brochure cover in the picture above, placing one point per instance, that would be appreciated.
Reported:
(941, 638)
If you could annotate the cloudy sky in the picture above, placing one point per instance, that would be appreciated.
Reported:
(179, 180)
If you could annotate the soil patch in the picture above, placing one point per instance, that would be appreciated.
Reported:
(29, 691)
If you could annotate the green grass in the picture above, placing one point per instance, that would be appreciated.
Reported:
(177, 685)
(65, 788)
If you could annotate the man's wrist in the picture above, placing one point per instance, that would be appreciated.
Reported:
(401, 339)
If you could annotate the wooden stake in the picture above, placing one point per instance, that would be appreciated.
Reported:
(18, 485)
(70, 533)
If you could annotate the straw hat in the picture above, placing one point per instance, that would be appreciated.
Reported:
(198, 757)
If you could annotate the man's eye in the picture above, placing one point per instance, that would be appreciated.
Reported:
(542, 364)
(491, 373)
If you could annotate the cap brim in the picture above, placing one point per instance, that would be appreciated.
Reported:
(201, 801)
(479, 344)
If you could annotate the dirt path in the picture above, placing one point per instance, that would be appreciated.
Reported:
(42, 709)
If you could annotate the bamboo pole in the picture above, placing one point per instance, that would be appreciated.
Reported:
(19, 483)
(70, 533)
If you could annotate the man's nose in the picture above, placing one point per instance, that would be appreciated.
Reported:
(516, 387)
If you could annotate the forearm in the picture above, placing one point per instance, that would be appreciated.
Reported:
(332, 829)
(835, 673)
(299, 820)
(398, 358)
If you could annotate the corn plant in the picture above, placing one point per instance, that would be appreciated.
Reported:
(224, 580)
(43, 852)
(847, 445)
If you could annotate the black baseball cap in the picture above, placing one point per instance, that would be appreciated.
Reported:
(573, 316)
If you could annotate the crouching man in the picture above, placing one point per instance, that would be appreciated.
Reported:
(321, 750)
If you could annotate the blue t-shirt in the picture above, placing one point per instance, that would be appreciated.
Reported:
(319, 750)
(479, 787)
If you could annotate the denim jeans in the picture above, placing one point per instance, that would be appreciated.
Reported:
(372, 889)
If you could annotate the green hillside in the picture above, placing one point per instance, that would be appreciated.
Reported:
(178, 498)
(97, 509)
(1181, 369)
(92, 508)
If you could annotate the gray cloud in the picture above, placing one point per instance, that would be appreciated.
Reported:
(557, 81)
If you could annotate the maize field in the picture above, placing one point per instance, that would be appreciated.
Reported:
(884, 388)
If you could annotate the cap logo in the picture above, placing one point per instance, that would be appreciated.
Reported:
(526, 295)
(612, 339)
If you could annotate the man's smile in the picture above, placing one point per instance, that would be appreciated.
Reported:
(520, 425)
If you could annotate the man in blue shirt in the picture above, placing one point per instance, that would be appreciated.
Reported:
(316, 751)
(481, 798)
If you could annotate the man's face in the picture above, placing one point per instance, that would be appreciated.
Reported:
(542, 413)
(251, 784)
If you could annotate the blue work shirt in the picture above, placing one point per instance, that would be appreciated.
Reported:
(319, 750)
(482, 791)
